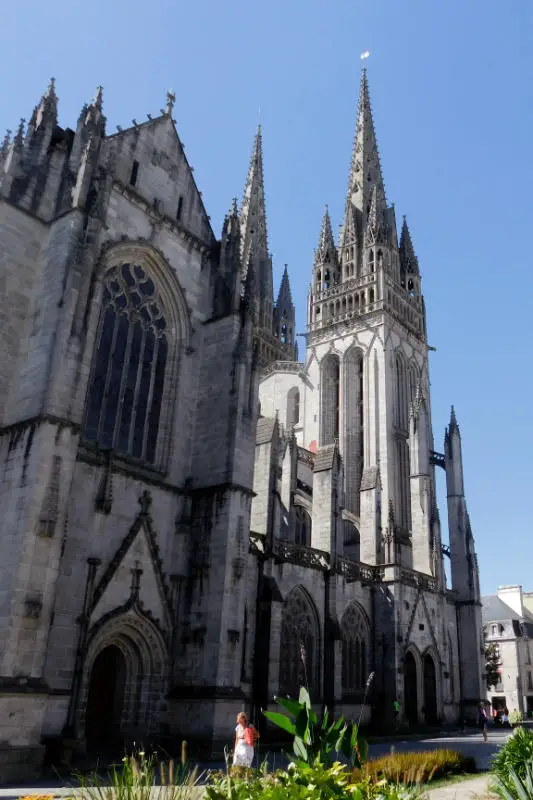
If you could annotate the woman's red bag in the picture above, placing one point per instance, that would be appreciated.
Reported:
(250, 735)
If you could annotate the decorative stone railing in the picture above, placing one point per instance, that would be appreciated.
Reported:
(283, 366)
(312, 558)
(418, 579)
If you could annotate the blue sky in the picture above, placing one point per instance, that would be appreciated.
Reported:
(452, 92)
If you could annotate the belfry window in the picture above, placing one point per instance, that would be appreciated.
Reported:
(284, 333)
(128, 373)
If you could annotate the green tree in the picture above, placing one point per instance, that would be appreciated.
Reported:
(492, 662)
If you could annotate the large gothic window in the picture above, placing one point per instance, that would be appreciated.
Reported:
(128, 374)
(355, 650)
(329, 411)
(353, 427)
(299, 644)
(302, 527)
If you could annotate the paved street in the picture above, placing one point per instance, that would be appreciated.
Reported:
(470, 744)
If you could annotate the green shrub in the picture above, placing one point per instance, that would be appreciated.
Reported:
(516, 717)
(314, 739)
(516, 788)
(304, 781)
(514, 755)
(415, 768)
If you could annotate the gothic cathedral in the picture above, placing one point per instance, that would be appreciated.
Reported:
(193, 520)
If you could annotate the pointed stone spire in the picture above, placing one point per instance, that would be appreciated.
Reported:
(5, 144)
(46, 111)
(253, 215)
(453, 427)
(284, 294)
(365, 170)
(408, 259)
(326, 251)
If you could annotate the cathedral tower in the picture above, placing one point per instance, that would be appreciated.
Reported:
(274, 327)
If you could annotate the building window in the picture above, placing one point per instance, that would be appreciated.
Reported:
(128, 372)
(293, 406)
(355, 654)
(351, 541)
(302, 527)
(284, 338)
(299, 644)
(330, 399)
(180, 208)
(134, 173)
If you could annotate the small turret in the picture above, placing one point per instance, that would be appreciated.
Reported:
(409, 269)
(42, 126)
(228, 286)
(326, 270)
(91, 125)
(284, 312)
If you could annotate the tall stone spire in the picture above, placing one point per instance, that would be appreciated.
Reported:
(408, 259)
(253, 215)
(365, 169)
(284, 294)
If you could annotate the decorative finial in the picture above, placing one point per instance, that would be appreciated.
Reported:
(6, 142)
(19, 136)
(98, 97)
(171, 99)
(235, 207)
(52, 86)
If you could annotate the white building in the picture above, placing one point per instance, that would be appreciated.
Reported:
(508, 624)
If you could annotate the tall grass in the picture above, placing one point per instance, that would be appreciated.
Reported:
(135, 779)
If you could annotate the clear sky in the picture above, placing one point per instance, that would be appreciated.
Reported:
(451, 85)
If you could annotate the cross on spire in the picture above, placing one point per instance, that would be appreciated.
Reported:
(171, 99)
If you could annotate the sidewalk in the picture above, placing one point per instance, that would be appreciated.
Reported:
(473, 789)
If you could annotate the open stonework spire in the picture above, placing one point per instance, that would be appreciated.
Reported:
(326, 251)
(408, 259)
(365, 169)
(253, 215)
(284, 294)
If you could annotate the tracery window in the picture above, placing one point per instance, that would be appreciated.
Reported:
(352, 542)
(355, 647)
(302, 527)
(128, 374)
(298, 644)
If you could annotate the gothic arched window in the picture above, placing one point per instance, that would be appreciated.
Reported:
(329, 403)
(302, 527)
(299, 644)
(352, 542)
(355, 650)
(128, 373)
(293, 406)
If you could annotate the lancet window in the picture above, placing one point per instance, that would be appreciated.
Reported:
(302, 527)
(299, 644)
(355, 650)
(128, 372)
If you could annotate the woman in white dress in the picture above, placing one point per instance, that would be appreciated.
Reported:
(245, 735)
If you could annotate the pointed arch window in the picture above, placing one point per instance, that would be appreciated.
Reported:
(128, 373)
(293, 406)
(302, 527)
(299, 644)
(329, 405)
(355, 650)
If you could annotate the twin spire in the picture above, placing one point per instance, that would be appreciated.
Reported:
(253, 213)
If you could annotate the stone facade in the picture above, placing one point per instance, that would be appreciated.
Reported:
(508, 624)
(173, 549)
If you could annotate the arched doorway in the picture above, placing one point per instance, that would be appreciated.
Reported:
(105, 698)
(410, 689)
(430, 690)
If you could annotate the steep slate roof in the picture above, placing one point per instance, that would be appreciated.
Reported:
(324, 458)
(265, 430)
(495, 610)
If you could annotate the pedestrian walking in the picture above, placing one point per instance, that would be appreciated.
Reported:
(246, 737)
(483, 721)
